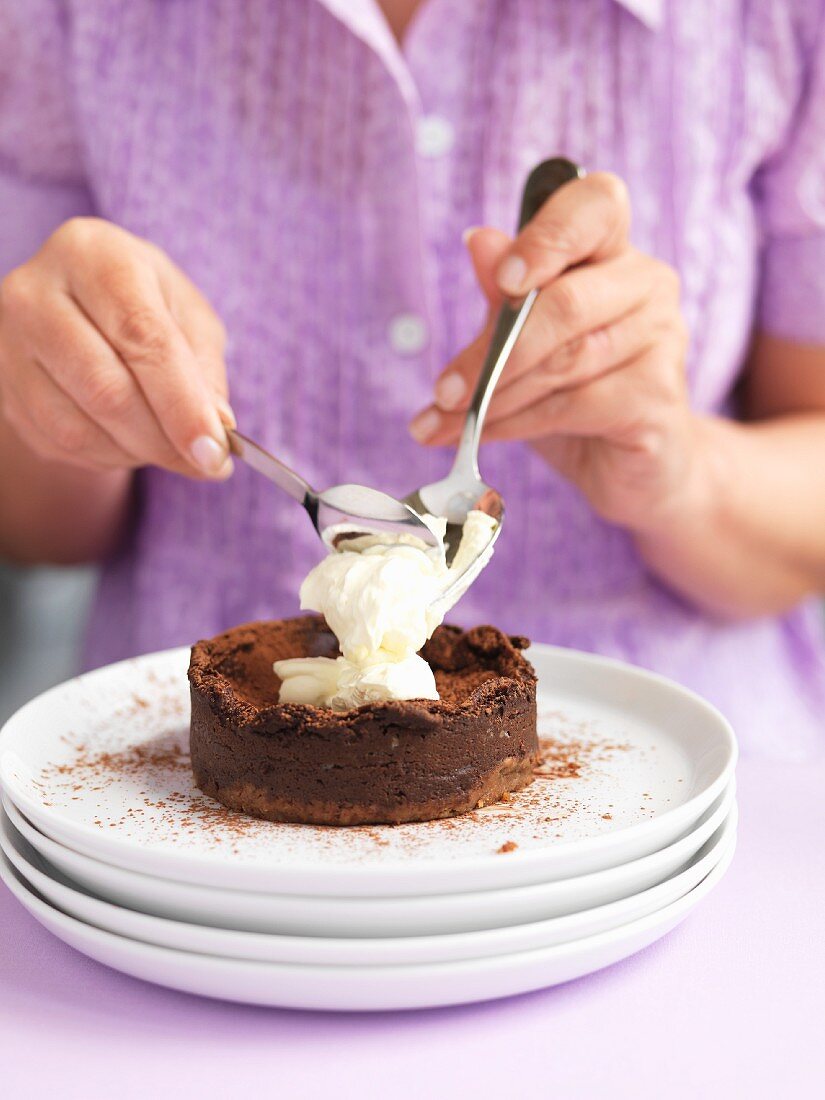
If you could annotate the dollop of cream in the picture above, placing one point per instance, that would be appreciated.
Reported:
(382, 601)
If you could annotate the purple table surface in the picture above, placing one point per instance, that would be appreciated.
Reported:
(732, 1003)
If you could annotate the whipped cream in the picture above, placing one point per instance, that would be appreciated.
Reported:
(382, 601)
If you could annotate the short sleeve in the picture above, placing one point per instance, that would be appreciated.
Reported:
(790, 190)
(38, 134)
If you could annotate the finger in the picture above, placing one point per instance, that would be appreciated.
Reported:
(581, 361)
(580, 301)
(61, 430)
(620, 406)
(87, 368)
(201, 326)
(454, 388)
(586, 411)
(586, 219)
(611, 398)
(53, 425)
(124, 301)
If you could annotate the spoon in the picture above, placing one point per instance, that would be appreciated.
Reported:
(344, 510)
(463, 489)
(341, 509)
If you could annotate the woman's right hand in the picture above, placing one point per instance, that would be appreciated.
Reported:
(110, 357)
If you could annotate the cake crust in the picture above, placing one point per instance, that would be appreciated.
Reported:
(389, 762)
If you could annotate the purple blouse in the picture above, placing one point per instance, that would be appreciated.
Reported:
(314, 179)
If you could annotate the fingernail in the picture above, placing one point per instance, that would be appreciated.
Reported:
(425, 425)
(449, 390)
(208, 455)
(511, 275)
(225, 412)
(469, 232)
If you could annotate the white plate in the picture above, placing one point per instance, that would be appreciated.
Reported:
(371, 917)
(352, 952)
(99, 765)
(353, 988)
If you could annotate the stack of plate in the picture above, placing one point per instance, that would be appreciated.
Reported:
(629, 824)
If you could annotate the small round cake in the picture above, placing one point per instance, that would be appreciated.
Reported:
(385, 762)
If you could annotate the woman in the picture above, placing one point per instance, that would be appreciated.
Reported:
(305, 172)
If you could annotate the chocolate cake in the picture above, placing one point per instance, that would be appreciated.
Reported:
(384, 762)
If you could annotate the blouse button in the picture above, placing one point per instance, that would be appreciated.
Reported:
(408, 333)
(434, 136)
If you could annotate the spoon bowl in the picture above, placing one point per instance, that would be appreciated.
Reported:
(453, 498)
(340, 509)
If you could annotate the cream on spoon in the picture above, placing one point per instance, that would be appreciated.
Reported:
(382, 601)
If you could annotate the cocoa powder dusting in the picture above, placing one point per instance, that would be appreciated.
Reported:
(563, 759)
(184, 812)
(161, 804)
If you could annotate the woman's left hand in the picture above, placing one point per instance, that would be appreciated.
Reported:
(596, 382)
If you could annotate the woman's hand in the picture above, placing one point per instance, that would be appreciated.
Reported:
(596, 381)
(110, 357)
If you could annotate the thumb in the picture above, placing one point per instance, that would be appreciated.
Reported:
(487, 248)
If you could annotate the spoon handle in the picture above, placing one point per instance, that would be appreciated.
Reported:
(270, 467)
(543, 181)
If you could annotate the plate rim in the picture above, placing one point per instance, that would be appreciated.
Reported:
(441, 867)
(725, 837)
(457, 967)
(371, 916)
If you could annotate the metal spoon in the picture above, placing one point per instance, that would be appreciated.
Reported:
(353, 507)
(463, 489)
